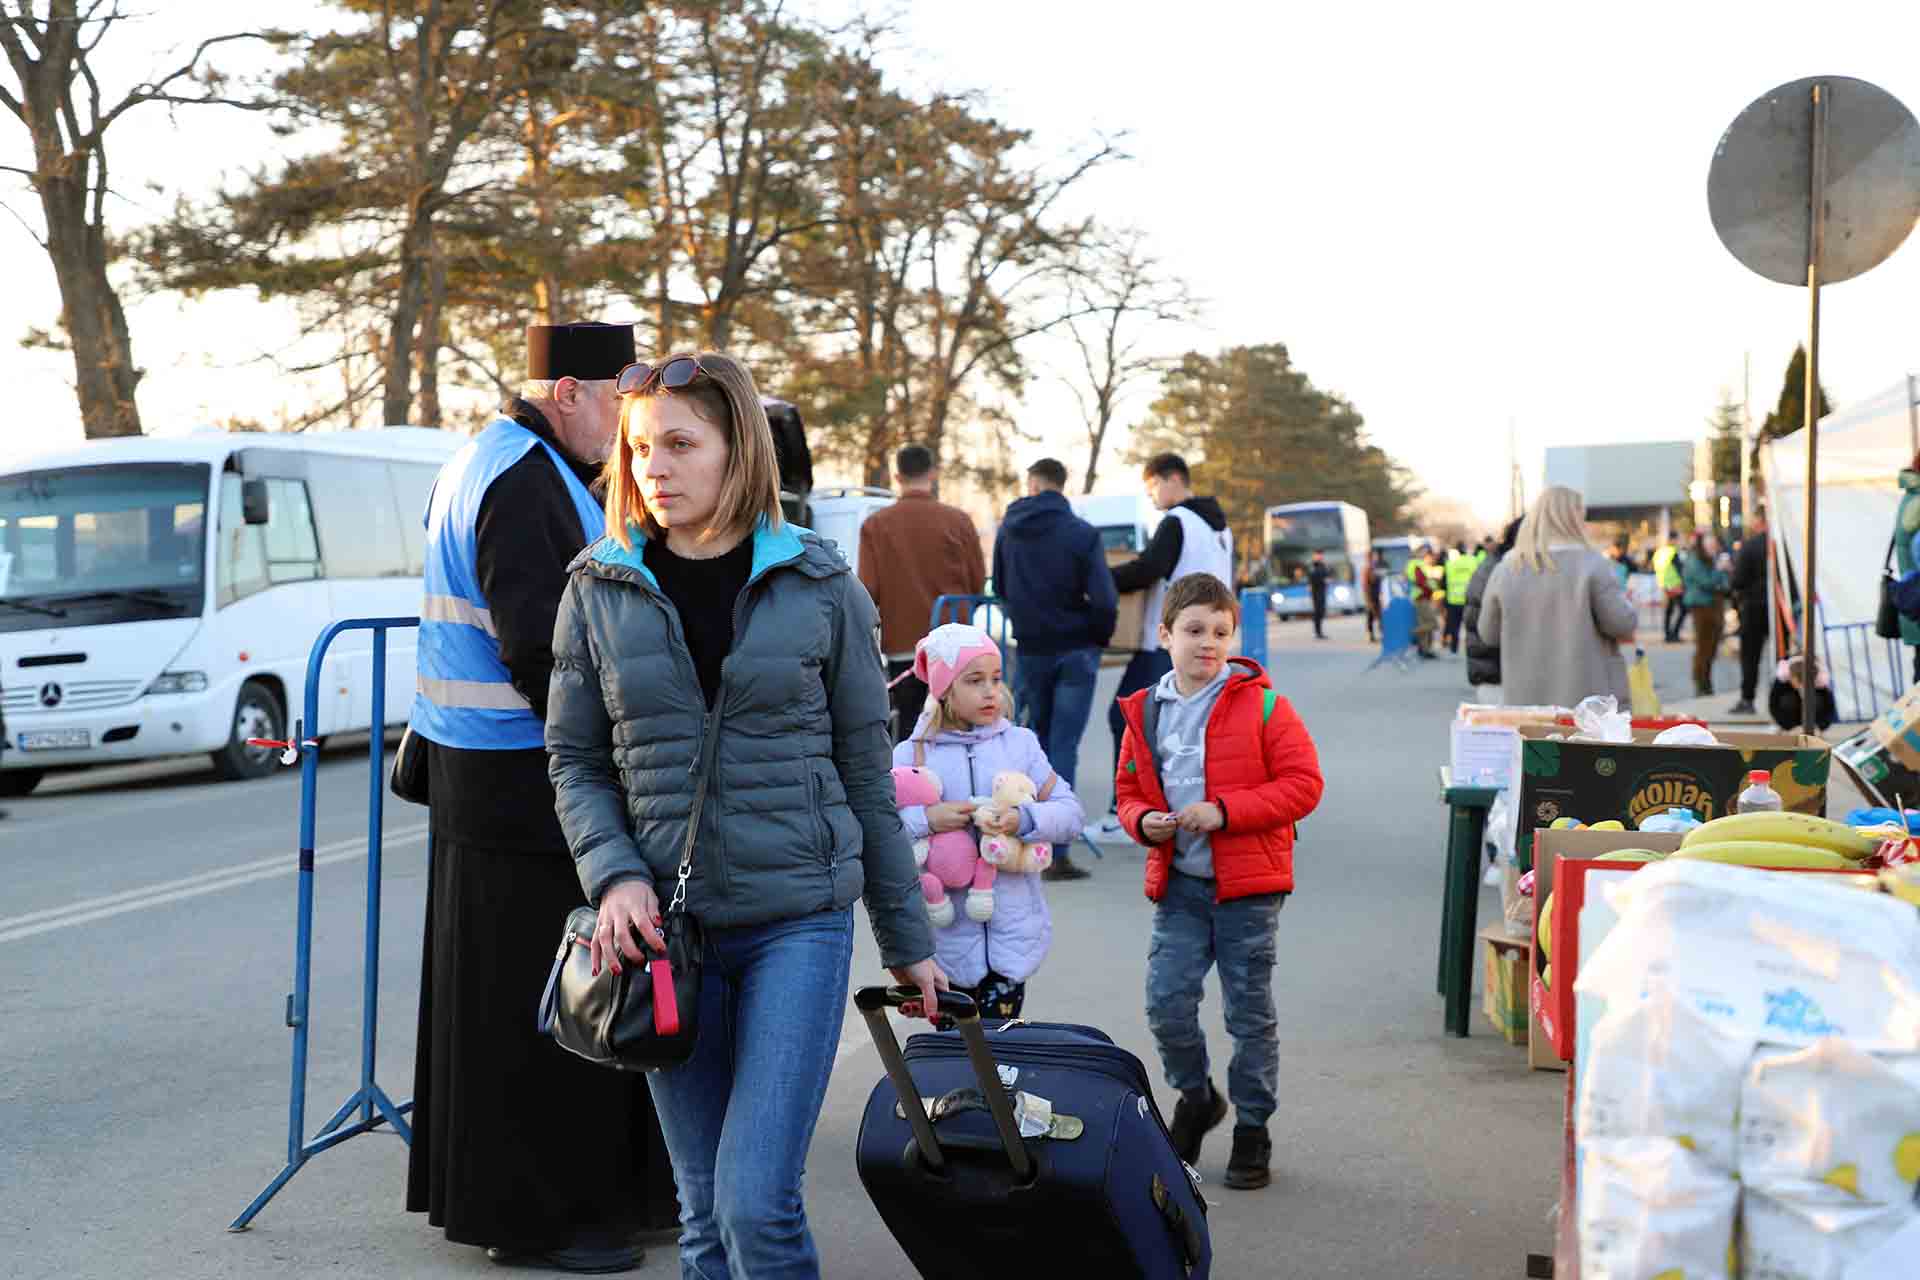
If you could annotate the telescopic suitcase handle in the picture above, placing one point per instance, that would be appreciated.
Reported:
(955, 1009)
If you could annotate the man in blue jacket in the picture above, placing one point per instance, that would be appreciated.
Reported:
(1049, 567)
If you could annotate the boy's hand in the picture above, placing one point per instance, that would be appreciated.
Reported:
(952, 815)
(1202, 816)
(1158, 828)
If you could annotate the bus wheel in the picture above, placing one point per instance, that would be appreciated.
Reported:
(256, 714)
(15, 783)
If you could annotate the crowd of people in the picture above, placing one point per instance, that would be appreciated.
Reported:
(620, 625)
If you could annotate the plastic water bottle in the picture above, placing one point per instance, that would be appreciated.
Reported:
(1759, 797)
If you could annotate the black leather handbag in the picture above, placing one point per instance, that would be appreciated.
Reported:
(409, 777)
(638, 1019)
(1886, 624)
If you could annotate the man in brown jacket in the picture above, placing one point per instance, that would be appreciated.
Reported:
(912, 553)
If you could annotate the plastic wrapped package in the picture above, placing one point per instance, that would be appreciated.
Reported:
(1833, 1118)
(1660, 1069)
(1771, 956)
(1600, 718)
(1650, 1209)
(1801, 1233)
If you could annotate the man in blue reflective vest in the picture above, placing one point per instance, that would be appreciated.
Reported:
(518, 1147)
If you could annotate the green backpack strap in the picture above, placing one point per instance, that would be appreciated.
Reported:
(1267, 698)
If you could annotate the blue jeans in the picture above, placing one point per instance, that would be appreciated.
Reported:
(1055, 691)
(739, 1115)
(1191, 934)
(1144, 670)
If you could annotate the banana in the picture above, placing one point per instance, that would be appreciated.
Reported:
(1545, 931)
(1611, 824)
(1784, 828)
(1766, 853)
(1630, 855)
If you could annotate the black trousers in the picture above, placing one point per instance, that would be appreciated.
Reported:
(908, 698)
(1676, 616)
(1455, 614)
(1319, 611)
(1753, 646)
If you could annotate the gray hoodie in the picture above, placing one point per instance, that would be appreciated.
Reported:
(1182, 756)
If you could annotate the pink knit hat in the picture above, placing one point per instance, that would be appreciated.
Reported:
(945, 652)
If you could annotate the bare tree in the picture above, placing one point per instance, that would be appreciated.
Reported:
(57, 96)
(1116, 296)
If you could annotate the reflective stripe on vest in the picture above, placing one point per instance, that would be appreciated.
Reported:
(1203, 549)
(464, 695)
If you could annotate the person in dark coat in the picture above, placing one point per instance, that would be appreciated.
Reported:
(1317, 575)
(1749, 582)
(1051, 570)
(518, 1147)
(1483, 656)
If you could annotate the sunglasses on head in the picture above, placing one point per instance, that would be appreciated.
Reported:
(672, 374)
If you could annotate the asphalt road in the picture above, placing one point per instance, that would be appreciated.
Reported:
(146, 926)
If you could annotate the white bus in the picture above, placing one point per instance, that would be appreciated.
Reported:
(1295, 531)
(160, 596)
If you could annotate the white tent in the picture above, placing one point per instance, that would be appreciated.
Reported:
(1862, 450)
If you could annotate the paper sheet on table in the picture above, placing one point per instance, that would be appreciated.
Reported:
(1893, 1260)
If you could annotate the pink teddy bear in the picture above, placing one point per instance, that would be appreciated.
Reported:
(949, 861)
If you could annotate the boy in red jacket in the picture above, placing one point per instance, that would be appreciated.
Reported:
(1214, 772)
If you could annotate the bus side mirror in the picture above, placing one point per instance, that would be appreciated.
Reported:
(253, 501)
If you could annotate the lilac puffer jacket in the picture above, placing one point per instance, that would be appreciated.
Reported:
(1016, 939)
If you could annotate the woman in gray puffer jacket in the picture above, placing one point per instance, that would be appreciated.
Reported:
(708, 647)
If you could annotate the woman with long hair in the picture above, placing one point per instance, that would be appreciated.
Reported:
(1556, 610)
(706, 647)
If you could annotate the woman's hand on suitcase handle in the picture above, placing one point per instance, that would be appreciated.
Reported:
(928, 977)
(627, 908)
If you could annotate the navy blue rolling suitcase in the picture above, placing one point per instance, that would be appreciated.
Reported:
(1099, 1193)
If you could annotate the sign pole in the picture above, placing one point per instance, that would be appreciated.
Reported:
(1816, 250)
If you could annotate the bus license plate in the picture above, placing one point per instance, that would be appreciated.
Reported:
(56, 740)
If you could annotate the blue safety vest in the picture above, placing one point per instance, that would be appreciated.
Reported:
(463, 694)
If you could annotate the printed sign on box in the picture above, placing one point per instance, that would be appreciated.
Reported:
(1631, 781)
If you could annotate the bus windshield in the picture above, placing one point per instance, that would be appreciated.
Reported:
(1308, 529)
(126, 540)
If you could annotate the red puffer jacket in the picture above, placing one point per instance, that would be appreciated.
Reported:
(1262, 770)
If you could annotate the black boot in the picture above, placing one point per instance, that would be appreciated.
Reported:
(1192, 1119)
(1064, 868)
(1252, 1151)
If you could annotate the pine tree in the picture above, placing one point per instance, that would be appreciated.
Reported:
(1790, 414)
(1725, 425)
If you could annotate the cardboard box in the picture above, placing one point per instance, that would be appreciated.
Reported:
(1884, 758)
(1128, 631)
(1504, 982)
(1562, 862)
(1598, 781)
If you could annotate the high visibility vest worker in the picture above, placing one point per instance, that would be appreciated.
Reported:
(1460, 569)
(1663, 567)
(464, 696)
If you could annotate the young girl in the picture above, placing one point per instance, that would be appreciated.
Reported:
(964, 737)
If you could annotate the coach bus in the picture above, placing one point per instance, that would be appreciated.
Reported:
(1298, 529)
(159, 595)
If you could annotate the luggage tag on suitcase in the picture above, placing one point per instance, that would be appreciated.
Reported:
(1034, 1115)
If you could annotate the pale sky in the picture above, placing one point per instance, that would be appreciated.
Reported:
(1457, 216)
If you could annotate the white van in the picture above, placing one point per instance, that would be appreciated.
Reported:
(160, 596)
(839, 513)
(1126, 521)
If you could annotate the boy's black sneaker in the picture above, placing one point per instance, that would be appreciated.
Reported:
(1252, 1151)
(1191, 1120)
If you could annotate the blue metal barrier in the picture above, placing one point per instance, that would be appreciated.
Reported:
(1254, 603)
(370, 1101)
(1858, 638)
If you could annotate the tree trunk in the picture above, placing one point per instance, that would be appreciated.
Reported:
(104, 374)
(433, 324)
(396, 400)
